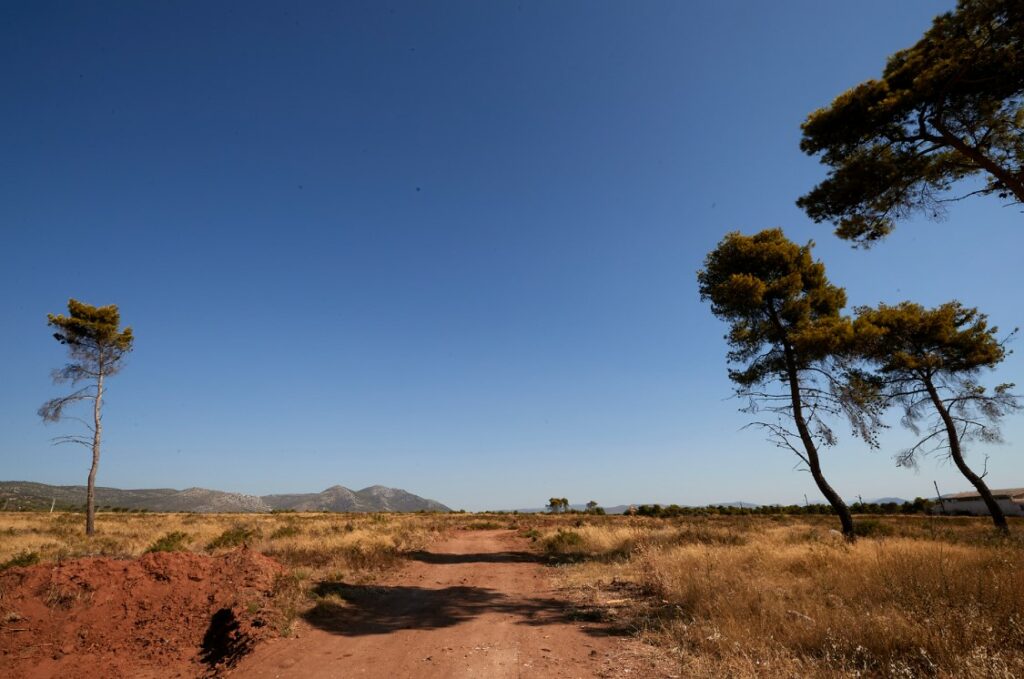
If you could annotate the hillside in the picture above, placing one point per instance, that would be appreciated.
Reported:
(26, 495)
(341, 499)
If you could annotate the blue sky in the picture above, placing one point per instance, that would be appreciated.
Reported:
(449, 247)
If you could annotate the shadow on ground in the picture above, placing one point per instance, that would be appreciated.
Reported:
(487, 557)
(358, 610)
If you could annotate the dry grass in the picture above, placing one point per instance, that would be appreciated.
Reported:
(349, 544)
(786, 597)
(316, 546)
(738, 596)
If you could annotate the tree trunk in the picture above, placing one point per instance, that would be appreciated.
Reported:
(998, 518)
(845, 518)
(90, 489)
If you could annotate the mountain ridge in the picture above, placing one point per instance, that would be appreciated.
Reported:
(32, 495)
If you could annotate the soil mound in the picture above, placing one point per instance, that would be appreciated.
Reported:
(162, 615)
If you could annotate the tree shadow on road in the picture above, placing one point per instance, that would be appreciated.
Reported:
(358, 610)
(486, 557)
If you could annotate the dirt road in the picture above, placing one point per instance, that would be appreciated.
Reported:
(479, 604)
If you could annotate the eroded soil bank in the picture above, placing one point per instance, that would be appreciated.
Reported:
(162, 615)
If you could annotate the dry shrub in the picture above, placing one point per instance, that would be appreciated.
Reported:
(612, 542)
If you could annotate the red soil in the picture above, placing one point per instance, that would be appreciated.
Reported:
(162, 615)
(478, 605)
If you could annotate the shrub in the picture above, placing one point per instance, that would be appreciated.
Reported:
(171, 542)
(871, 528)
(289, 530)
(233, 537)
(564, 542)
(21, 560)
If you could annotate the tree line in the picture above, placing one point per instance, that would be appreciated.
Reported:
(918, 506)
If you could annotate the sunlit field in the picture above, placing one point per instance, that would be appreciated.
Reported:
(782, 596)
(720, 595)
(315, 541)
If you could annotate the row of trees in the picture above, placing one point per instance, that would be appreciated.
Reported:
(559, 505)
(798, 361)
(918, 506)
(949, 108)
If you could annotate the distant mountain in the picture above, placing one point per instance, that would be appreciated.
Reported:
(28, 495)
(888, 500)
(341, 499)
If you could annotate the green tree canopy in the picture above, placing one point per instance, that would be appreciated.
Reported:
(930, 361)
(950, 107)
(785, 330)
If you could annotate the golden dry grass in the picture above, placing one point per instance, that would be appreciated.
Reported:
(738, 596)
(340, 543)
(786, 597)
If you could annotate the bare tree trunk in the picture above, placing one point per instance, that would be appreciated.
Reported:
(845, 518)
(998, 518)
(90, 489)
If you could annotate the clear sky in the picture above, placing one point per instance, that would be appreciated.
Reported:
(449, 247)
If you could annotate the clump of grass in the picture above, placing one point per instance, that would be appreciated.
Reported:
(288, 600)
(175, 541)
(872, 528)
(21, 560)
(65, 597)
(566, 543)
(289, 530)
(235, 536)
(531, 533)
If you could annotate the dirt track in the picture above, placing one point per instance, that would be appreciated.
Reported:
(477, 605)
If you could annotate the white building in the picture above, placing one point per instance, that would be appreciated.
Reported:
(1010, 499)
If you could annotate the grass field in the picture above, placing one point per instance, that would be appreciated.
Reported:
(740, 596)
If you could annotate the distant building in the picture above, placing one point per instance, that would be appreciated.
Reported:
(1010, 499)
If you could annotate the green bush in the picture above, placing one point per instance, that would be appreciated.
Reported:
(235, 536)
(564, 542)
(21, 560)
(171, 542)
